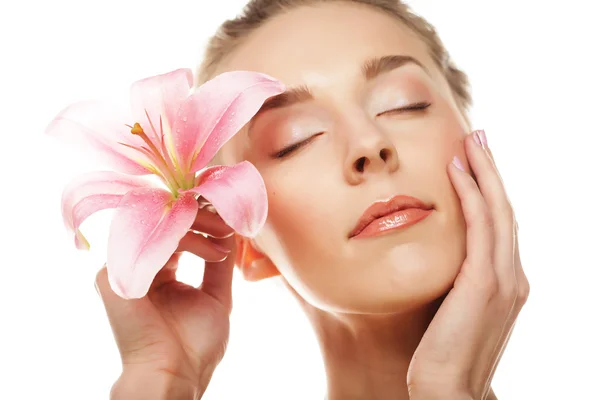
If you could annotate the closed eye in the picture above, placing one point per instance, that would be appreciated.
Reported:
(411, 107)
(285, 151)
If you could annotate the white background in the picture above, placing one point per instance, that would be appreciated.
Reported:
(534, 70)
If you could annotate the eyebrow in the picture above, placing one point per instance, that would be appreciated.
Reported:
(371, 69)
(294, 95)
(376, 66)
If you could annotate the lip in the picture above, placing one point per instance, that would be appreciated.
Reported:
(395, 213)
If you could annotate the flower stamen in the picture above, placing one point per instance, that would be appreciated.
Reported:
(158, 158)
(161, 142)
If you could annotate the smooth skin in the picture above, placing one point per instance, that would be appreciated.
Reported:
(465, 340)
(421, 313)
(173, 338)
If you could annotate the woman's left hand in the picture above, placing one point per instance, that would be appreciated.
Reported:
(459, 352)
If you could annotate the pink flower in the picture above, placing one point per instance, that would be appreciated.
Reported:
(172, 134)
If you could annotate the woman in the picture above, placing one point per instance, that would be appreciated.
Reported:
(387, 219)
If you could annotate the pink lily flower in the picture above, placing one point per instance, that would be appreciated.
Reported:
(173, 133)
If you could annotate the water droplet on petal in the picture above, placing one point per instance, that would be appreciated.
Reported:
(184, 119)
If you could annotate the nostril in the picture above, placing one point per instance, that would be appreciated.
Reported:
(360, 164)
(384, 154)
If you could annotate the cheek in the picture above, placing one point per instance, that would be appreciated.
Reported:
(451, 133)
(443, 138)
(427, 150)
(449, 142)
(300, 217)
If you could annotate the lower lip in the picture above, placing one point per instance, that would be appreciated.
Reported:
(398, 220)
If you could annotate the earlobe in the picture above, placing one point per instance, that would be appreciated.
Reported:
(253, 264)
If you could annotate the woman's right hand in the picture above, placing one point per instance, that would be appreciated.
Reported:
(172, 339)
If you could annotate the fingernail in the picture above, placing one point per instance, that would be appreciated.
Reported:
(480, 138)
(96, 287)
(457, 163)
(222, 249)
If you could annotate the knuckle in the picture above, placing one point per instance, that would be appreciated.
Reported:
(510, 293)
(523, 291)
(490, 285)
(221, 349)
(479, 216)
(515, 294)
(493, 286)
(506, 211)
(485, 218)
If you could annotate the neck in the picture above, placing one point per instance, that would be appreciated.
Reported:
(367, 356)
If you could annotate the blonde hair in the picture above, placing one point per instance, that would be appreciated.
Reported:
(257, 12)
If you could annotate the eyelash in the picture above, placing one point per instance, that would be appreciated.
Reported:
(284, 152)
(411, 107)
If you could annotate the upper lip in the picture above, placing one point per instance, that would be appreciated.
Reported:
(382, 208)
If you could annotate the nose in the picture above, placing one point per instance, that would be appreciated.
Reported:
(369, 153)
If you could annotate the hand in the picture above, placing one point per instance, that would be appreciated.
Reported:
(172, 339)
(460, 350)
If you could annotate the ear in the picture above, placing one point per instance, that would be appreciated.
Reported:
(253, 264)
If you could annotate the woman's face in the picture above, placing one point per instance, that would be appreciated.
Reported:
(353, 143)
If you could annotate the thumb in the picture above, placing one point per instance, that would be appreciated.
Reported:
(129, 319)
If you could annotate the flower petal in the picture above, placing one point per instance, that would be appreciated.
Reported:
(159, 96)
(238, 194)
(93, 192)
(145, 232)
(215, 112)
(100, 128)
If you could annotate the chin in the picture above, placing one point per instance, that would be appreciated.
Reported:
(385, 275)
(405, 279)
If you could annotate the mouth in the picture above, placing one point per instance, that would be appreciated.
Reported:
(395, 213)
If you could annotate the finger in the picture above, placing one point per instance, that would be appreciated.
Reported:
(211, 224)
(494, 194)
(518, 299)
(128, 318)
(478, 266)
(218, 276)
(488, 367)
(167, 273)
(486, 148)
(523, 287)
(202, 201)
(489, 179)
(201, 246)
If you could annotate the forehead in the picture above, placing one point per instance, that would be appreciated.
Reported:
(324, 44)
